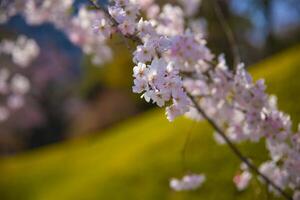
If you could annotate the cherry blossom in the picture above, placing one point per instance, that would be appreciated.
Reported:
(243, 178)
(188, 182)
(175, 69)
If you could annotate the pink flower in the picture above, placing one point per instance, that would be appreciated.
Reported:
(242, 180)
(188, 182)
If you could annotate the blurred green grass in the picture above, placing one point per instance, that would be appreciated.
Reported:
(135, 159)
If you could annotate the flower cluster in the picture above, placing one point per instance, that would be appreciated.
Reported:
(13, 84)
(242, 109)
(242, 178)
(91, 35)
(161, 83)
(125, 13)
(172, 61)
(188, 182)
(22, 51)
(37, 12)
(174, 68)
(165, 50)
(77, 26)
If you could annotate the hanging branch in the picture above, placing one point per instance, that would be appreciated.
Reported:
(229, 34)
(233, 148)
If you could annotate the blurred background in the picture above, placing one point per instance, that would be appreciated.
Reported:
(74, 100)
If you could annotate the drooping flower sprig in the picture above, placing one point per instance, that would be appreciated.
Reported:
(175, 69)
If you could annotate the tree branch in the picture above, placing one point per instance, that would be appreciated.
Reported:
(233, 148)
(236, 151)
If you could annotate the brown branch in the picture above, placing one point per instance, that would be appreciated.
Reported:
(236, 151)
(229, 34)
(233, 148)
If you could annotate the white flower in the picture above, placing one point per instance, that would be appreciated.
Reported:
(188, 182)
(242, 180)
(103, 27)
(172, 112)
(143, 53)
(140, 85)
(160, 98)
(127, 27)
(140, 71)
(145, 28)
(275, 174)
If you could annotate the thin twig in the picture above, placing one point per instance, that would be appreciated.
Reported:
(229, 34)
(236, 151)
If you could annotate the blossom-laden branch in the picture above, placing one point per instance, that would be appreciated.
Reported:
(174, 68)
(236, 151)
(147, 78)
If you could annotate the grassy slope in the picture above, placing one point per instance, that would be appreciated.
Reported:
(136, 159)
